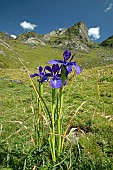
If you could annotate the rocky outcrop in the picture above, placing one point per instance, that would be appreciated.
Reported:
(75, 37)
(31, 38)
(58, 32)
(83, 32)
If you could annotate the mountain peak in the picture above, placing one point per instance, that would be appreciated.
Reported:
(80, 29)
(75, 37)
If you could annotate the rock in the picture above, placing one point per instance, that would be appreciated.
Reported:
(75, 37)
(17, 81)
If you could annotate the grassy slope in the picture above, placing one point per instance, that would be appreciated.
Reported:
(96, 118)
(32, 56)
(93, 86)
(108, 42)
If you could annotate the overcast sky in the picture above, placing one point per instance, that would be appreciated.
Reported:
(43, 16)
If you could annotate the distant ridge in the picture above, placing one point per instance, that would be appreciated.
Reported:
(76, 37)
(108, 42)
(34, 49)
(5, 36)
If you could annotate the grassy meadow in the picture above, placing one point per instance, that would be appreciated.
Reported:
(94, 120)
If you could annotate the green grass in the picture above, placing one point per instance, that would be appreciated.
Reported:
(12, 51)
(94, 118)
(30, 55)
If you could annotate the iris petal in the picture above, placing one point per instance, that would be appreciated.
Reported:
(59, 74)
(66, 55)
(77, 68)
(40, 69)
(56, 82)
(55, 68)
(44, 78)
(48, 68)
(69, 68)
(55, 61)
(42, 75)
(34, 75)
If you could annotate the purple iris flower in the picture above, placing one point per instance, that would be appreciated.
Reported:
(41, 74)
(66, 64)
(53, 72)
(57, 74)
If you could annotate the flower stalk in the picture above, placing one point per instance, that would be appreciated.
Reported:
(53, 124)
(40, 124)
(59, 120)
(58, 76)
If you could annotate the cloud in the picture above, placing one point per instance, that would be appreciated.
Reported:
(27, 25)
(94, 32)
(14, 36)
(109, 7)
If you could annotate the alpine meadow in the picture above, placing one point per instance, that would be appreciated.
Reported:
(56, 101)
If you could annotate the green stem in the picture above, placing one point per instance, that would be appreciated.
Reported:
(59, 124)
(40, 124)
(38, 121)
(41, 99)
(52, 136)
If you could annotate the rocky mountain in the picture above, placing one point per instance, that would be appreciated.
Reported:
(108, 42)
(31, 38)
(34, 49)
(75, 37)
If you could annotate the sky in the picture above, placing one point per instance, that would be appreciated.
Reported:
(44, 16)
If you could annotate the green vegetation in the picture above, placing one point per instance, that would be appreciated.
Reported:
(18, 103)
(49, 47)
(94, 119)
(27, 35)
(108, 42)
(4, 36)
(74, 30)
(13, 51)
(31, 55)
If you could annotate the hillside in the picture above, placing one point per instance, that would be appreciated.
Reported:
(34, 49)
(75, 37)
(34, 116)
(95, 120)
(108, 42)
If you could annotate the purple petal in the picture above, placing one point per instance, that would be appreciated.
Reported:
(55, 61)
(34, 75)
(58, 75)
(48, 68)
(55, 68)
(44, 78)
(70, 63)
(49, 74)
(56, 83)
(40, 69)
(77, 68)
(66, 55)
(69, 69)
(60, 61)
